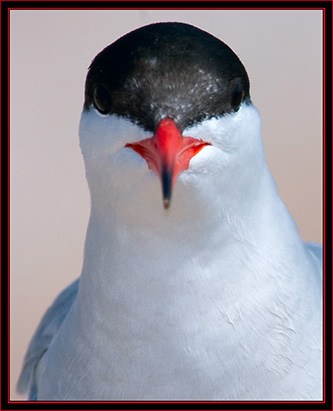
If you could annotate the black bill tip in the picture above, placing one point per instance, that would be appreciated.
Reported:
(166, 187)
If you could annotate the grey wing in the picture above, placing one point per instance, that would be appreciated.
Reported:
(316, 251)
(42, 338)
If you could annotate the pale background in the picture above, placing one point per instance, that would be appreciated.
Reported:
(50, 52)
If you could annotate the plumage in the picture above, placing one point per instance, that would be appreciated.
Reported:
(216, 297)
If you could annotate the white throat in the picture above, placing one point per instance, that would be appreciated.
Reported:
(136, 251)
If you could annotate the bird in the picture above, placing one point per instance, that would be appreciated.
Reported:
(195, 284)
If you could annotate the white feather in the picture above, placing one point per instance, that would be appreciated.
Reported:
(215, 298)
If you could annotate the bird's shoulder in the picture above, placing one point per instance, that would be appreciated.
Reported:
(46, 331)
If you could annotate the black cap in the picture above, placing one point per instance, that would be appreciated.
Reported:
(164, 70)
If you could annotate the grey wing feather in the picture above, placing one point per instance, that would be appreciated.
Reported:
(316, 251)
(42, 338)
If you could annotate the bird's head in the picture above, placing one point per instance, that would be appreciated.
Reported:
(167, 109)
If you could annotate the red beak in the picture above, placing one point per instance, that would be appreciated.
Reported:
(168, 153)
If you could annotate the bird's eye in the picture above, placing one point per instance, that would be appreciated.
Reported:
(102, 99)
(237, 96)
